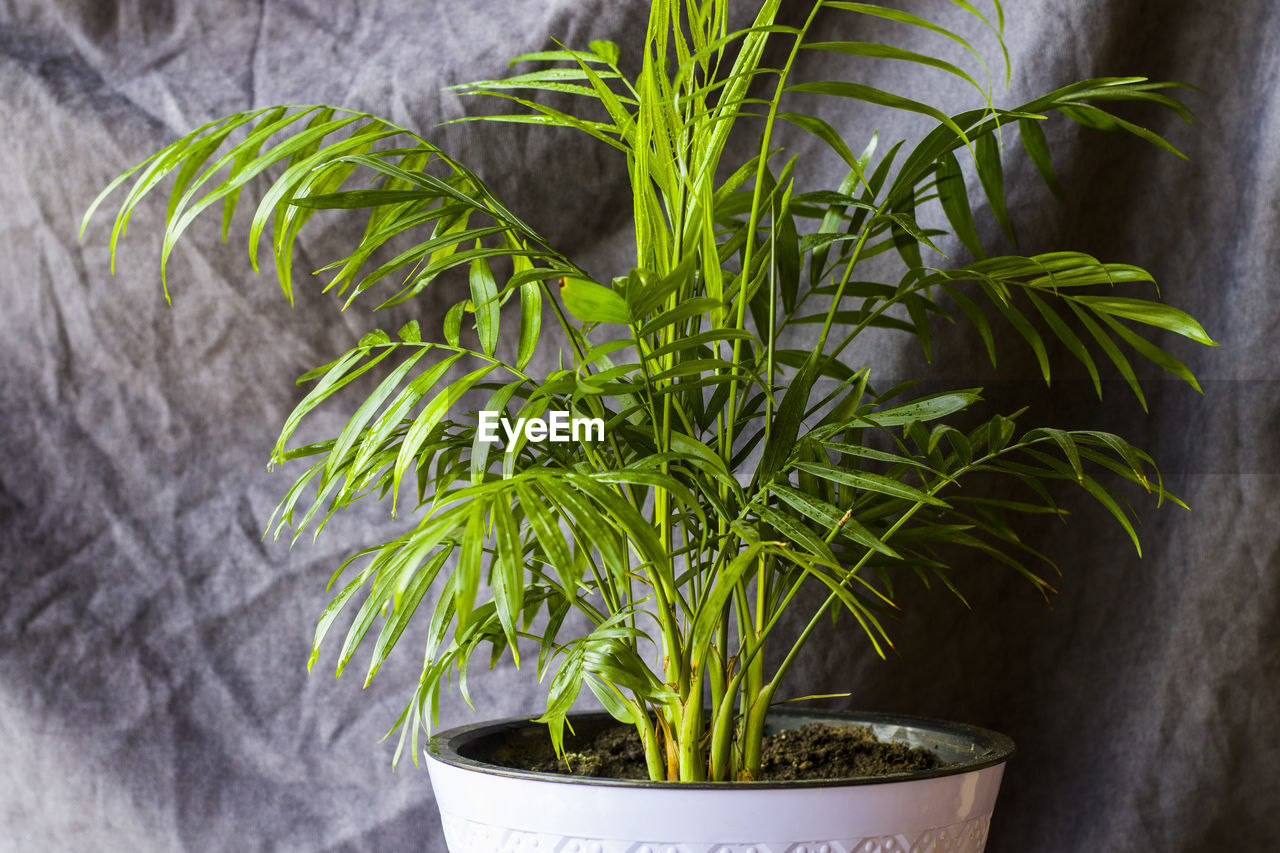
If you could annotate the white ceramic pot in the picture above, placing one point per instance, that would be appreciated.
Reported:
(490, 809)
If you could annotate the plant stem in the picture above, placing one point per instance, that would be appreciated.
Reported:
(753, 734)
(653, 756)
(754, 220)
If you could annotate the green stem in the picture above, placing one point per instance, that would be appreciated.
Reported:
(693, 766)
(722, 735)
(753, 735)
(754, 221)
(653, 754)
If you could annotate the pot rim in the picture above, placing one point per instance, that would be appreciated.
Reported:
(991, 749)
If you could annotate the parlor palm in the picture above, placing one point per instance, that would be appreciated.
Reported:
(735, 472)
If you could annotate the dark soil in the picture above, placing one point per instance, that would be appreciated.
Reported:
(813, 751)
(614, 753)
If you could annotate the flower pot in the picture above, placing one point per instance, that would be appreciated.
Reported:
(486, 808)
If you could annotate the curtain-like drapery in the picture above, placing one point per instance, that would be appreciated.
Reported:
(153, 690)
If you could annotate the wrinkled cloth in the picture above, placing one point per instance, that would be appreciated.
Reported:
(153, 685)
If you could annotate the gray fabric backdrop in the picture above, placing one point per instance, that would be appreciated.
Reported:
(152, 687)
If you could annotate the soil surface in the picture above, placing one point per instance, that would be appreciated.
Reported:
(813, 751)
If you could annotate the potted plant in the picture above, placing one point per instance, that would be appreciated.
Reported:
(640, 516)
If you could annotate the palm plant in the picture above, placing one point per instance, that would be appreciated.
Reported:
(734, 472)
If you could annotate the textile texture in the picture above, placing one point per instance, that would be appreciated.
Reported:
(153, 688)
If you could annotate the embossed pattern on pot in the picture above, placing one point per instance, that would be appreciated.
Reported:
(469, 836)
